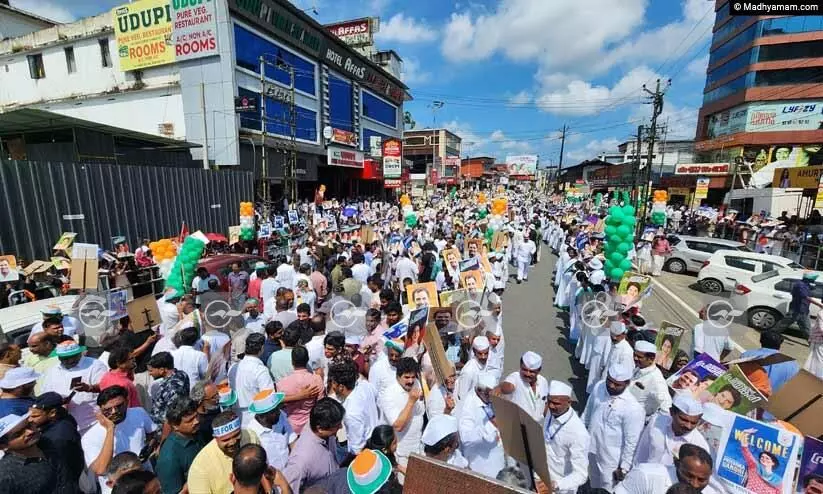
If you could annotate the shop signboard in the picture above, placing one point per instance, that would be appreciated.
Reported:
(522, 165)
(702, 189)
(392, 158)
(392, 183)
(375, 146)
(713, 169)
(729, 121)
(357, 32)
(372, 169)
(340, 136)
(818, 199)
(143, 33)
(194, 28)
(245, 104)
(679, 191)
(785, 116)
(350, 158)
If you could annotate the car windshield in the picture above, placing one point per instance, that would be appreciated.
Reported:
(743, 248)
(795, 265)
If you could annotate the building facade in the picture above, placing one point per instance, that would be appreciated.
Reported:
(344, 104)
(665, 155)
(435, 152)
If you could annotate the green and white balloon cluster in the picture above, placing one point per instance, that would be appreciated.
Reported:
(619, 240)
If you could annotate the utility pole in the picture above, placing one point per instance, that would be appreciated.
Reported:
(562, 147)
(663, 149)
(264, 166)
(657, 109)
(290, 175)
(635, 170)
(287, 98)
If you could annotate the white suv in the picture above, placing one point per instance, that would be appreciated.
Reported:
(725, 267)
(765, 298)
(689, 253)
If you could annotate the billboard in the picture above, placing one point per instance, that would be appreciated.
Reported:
(345, 157)
(194, 28)
(522, 165)
(712, 169)
(765, 160)
(143, 32)
(775, 116)
(392, 156)
(356, 32)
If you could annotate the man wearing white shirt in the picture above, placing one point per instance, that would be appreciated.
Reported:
(441, 399)
(694, 468)
(285, 273)
(253, 320)
(251, 376)
(614, 420)
(406, 268)
(477, 364)
(441, 441)
(497, 349)
(269, 286)
(524, 252)
(479, 436)
(71, 326)
(359, 398)
(527, 388)
(360, 270)
(648, 384)
(263, 427)
(621, 351)
(79, 374)
(710, 339)
(665, 434)
(169, 312)
(403, 408)
(567, 441)
(187, 359)
(383, 372)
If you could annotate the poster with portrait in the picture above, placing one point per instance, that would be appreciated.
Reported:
(234, 234)
(473, 281)
(61, 263)
(733, 391)
(416, 332)
(471, 264)
(668, 342)
(8, 269)
(453, 298)
(451, 260)
(757, 458)
(697, 375)
(810, 477)
(474, 247)
(118, 304)
(64, 242)
(422, 295)
(631, 289)
(279, 222)
(294, 218)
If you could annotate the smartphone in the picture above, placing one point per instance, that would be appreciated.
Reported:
(75, 381)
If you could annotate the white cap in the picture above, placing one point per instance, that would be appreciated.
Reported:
(714, 414)
(620, 372)
(486, 380)
(353, 339)
(595, 264)
(481, 344)
(644, 346)
(18, 376)
(597, 277)
(10, 422)
(687, 404)
(532, 361)
(617, 327)
(438, 428)
(559, 388)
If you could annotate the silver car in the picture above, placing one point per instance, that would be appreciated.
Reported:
(689, 253)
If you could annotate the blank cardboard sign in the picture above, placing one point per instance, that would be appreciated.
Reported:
(509, 417)
(800, 402)
(429, 476)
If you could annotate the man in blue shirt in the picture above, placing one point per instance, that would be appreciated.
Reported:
(779, 374)
(799, 306)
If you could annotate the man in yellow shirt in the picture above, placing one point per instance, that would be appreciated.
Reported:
(209, 473)
(38, 356)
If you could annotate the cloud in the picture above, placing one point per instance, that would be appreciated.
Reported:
(592, 149)
(402, 29)
(521, 98)
(497, 136)
(697, 67)
(45, 8)
(413, 74)
(583, 98)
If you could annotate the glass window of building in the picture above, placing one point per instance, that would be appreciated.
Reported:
(278, 122)
(379, 110)
(249, 48)
(341, 103)
(804, 75)
(734, 65)
(367, 135)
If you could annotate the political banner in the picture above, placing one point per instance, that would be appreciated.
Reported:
(757, 458)
(631, 289)
(697, 375)
(118, 304)
(810, 478)
(668, 342)
(733, 391)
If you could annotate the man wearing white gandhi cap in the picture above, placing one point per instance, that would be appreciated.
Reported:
(615, 420)
(567, 441)
(527, 388)
(442, 442)
(479, 437)
(663, 436)
(648, 384)
(473, 368)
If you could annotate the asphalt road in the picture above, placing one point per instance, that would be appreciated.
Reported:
(530, 322)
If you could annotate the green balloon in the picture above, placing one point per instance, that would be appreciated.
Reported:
(615, 274)
(625, 265)
(623, 231)
(613, 210)
(609, 265)
(617, 257)
(628, 210)
(624, 248)
(610, 231)
(629, 220)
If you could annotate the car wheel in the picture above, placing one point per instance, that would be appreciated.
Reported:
(675, 266)
(711, 286)
(763, 318)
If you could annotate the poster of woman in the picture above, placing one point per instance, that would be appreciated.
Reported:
(733, 391)
(667, 343)
(697, 376)
(631, 289)
(757, 458)
(810, 478)
(416, 332)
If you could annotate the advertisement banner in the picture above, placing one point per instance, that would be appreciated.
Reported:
(810, 478)
(806, 177)
(143, 32)
(340, 136)
(727, 122)
(453, 161)
(785, 116)
(354, 33)
(195, 29)
(764, 160)
(702, 189)
(679, 191)
(345, 157)
(818, 200)
(245, 104)
(392, 158)
(757, 458)
(522, 165)
(713, 169)
(392, 183)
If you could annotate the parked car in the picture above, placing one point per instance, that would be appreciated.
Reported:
(16, 321)
(765, 297)
(220, 265)
(689, 253)
(724, 268)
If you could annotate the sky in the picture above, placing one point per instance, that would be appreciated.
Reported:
(512, 73)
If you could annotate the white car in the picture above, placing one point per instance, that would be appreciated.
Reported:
(689, 253)
(720, 271)
(765, 298)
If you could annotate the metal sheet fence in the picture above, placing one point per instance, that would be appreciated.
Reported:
(133, 201)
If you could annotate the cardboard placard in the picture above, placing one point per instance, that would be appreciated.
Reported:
(429, 476)
(8, 268)
(509, 418)
(37, 267)
(800, 403)
(499, 241)
(367, 235)
(443, 368)
(775, 358)
(234, 234)
(64, 242)
(143, 313)
(84, 266)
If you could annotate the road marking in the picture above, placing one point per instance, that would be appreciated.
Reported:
(679, 300)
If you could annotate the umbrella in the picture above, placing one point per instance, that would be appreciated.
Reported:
(216, 237)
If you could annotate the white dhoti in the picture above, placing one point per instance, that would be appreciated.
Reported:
(657, 265)
(522, 270)
(814, 363)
